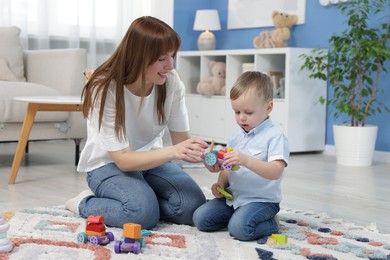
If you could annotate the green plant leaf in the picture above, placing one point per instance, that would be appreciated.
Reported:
(354, 60)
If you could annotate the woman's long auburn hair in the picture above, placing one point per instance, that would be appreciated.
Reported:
(146, 40)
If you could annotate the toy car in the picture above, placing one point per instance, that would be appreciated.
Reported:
(95, 232)
(132, 239)
(127, 246)
(215, 157)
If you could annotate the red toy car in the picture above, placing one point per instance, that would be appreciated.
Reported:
(95, 232)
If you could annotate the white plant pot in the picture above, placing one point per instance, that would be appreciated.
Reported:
(355, 145)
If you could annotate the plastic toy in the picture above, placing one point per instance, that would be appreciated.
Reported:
(5, 245)
(224, 193)
(213, 157)
(88, 73)
(279, 238)
(132, 240)
(95, 232)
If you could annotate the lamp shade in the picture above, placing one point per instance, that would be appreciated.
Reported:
(207, 20)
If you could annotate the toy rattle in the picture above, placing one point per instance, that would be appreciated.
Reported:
(213, 157)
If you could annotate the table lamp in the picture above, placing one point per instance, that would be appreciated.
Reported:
(207, 20)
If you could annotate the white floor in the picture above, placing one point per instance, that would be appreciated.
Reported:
(313, 182)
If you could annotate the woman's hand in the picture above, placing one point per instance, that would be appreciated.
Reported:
(190, 150)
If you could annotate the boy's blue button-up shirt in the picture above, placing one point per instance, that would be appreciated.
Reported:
(265, 142)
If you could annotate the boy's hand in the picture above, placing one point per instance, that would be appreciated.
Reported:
(235, 158)
(214, 168)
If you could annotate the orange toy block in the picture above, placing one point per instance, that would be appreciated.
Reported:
(132, 230)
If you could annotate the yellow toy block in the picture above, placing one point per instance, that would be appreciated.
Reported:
(280, 238)
(7, 215)
(132, 230)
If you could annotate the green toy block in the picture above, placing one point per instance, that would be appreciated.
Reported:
(225, 193)
(280, 238)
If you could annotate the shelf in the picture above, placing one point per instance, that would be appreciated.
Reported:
(298, 112)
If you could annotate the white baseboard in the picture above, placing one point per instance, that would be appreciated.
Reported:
(378, 155)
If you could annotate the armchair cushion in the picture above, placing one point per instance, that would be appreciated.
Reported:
(5, 72)
(14, 111)
(11, 54)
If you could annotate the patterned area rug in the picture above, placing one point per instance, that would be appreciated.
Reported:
(50, 233)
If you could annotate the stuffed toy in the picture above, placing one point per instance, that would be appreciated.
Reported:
(214, 85)
(278, 37)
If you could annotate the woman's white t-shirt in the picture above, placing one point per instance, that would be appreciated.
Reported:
(143, 131)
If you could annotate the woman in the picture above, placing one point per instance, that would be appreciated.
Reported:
(128, 102)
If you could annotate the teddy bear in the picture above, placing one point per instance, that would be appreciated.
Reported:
(215, 84)
(278, 37)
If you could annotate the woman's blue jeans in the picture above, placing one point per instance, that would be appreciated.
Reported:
(144, 197)
(249, 222)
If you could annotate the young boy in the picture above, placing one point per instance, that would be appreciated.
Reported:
(261, 150)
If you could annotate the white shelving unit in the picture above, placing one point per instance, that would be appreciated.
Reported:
(299, 114)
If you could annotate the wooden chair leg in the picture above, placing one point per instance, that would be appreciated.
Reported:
(77, 151)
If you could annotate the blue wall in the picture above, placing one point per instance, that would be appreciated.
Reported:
(320, 23)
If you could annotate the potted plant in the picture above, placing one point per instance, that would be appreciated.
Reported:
(353, 65)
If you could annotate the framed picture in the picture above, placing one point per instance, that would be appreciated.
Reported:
(258, 13)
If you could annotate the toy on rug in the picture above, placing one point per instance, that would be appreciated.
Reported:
(95, 232)
(280, 238)
(132, 240)
(214, 157)
(5, 245)
(7, 215)
(214, 85)
(278, 37)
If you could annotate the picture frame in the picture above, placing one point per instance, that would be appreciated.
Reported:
(258, 13)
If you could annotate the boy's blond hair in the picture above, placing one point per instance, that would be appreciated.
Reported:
(259, 82)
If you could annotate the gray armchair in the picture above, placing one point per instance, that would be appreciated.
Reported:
(56, 72)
